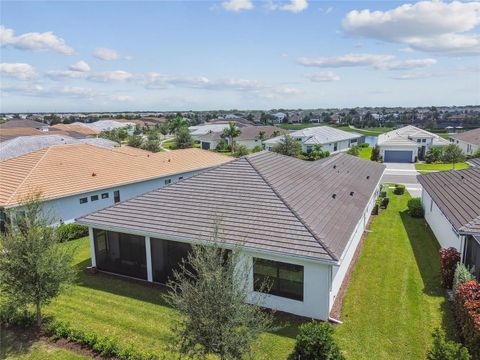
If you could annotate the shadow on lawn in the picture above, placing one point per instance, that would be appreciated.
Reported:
(16, 342)
(426, 251)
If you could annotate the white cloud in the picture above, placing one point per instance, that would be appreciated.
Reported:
(59, 74)
(237, 5)
(80, 66)
(106, 76)
(288, 91)
(106, 54)
(295, 6)
(432, 26)
(34, 41)
(325, 76)
(413, 76)
(17, 70)
(377, 61)
(347, 60)
(406, 50)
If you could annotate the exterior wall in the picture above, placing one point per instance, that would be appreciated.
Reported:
(339, 272)
(68, 208)
(467, 148)
(441, 227)
(413, 149)
(341, 146)
(250, 144)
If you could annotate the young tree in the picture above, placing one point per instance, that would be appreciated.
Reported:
(231, 133)
(210, 290)
(151, 145)
(241, 150)
(34, 268)
(135, 141)
(317, 153)
(354, 150)
(453, 154)
(163, 128)
(288, 146)
(183, 138)
(176, 123)
(375, 154)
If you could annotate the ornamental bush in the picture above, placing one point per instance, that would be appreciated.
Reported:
(385, 202)
(399, 189)
(363, 145)
(415, 208)
(461, 275)
(315, 341)
(446, 350)
(67, 232)
(241, 150)
(467, 313)
(449, 258)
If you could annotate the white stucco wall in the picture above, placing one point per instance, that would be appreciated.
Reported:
(250, 144)
(467, 148)
(339, 272)
(441, 227)
(68, 208)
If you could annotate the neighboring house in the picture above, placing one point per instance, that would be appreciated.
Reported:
(201, 130)
(331, 139)
(24, 123)
(26, 144)
(451, 200)
(250, 136)
(297, 221)
(80, 128)
(407, 144)
(77, 179)
(106, 125)
(468, 141)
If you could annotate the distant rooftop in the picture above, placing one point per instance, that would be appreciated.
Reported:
(471, 137)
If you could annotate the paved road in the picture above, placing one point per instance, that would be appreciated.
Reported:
(403, 174)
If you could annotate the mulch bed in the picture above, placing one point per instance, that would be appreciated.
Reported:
(336, 311)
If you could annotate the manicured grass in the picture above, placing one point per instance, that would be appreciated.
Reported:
(395, 299)
(441, 167)
(19, 346)
(365, 153)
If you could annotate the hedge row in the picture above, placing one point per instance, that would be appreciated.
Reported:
(467, 311)
(449, 258)
(67, 232)
(103, 345)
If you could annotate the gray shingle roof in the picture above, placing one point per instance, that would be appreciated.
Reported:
(265, 201)
(474, 162)
(457, 194)
(471, 137)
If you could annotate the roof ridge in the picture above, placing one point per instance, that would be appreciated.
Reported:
(297, 215)
(28, 175)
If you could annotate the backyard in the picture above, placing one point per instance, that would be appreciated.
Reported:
(392, 305)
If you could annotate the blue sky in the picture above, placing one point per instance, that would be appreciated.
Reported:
(237, 54)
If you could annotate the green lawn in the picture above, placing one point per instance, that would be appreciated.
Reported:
(441, 167)
(20, 346)
(365, 153)
(392, 305)
(395, 299)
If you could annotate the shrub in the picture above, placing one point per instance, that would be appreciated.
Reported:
(105, 346)
(315, 341)
(449, 258)
(241, 150)
(257, 148)
(135, 141)
(354, 150)
(363, 145)
(222, 145)
(399, 189)
(446, 350)
(461, 275)
(467, 313)
(385, 202)
(376, 154)
(375, 209)
(415, 208)
(67, 232)
(433, 155)
(12, 314)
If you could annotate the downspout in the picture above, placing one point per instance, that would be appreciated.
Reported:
(335, 321)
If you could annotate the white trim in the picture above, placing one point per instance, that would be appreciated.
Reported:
(148, 254)
(92, 247)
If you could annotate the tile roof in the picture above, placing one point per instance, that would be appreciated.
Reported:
(65, 170)
(11, 133)
(265, 201)
(318, 135)
(25, 144)
(471, 137)
(247, 133)
(474, 162)
(456, 193)
(22, 123)
(77, 127)
(402, 136)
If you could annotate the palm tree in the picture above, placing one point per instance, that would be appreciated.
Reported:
(231, 133)
(176, 123)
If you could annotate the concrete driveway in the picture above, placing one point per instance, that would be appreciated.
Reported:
(405, 174)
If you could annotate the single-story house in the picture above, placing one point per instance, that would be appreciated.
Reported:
(451, 200)
(331, 139)
(468, 141)
(77, 179)
(78, 127)
(24, 123)
(105, 125)
(298, 223)
(407, 144)
(250, 136)
(202, 130)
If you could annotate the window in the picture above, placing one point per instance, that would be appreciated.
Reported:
(424, 140)
(168, 181)
(116, 196)
(284, 279)
(180, 177)
(419, 140)
(105, 196)
(335, 147)
(94, 198)
(83, 200)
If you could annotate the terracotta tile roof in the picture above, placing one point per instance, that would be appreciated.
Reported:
(85, 130)
(64, 170)
(456, 193)
(10, 133)
(130, 150)
(265, 201)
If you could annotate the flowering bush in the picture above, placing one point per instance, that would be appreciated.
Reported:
(449, 258)
(467, 311)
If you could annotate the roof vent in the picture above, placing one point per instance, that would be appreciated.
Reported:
(93, 174)
(334, 196)
(368, 177)
(168, 160)
(352, 192)
(463, 177)
(334, 166)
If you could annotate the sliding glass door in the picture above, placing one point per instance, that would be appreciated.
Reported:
(166, 256)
